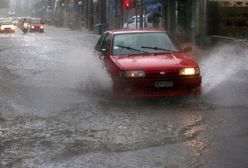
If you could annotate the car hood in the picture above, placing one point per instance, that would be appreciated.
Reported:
(154, 62)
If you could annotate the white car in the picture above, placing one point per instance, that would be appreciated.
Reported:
(7, 25)
(134, 22)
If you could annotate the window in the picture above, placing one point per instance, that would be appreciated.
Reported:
(100, 41)
(105, 42)
(138, 40)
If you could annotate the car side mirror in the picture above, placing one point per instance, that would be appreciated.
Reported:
(187, 48)
(104, 51)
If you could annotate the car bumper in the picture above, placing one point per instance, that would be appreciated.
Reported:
(146, 87)
(37, 29)
(7, 31)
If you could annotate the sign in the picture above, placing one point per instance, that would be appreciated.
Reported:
(156, 8)
(150, 2)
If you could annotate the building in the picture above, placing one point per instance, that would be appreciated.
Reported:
(198, 21)
(203, 21)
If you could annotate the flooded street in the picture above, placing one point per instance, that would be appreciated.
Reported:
(57, 110)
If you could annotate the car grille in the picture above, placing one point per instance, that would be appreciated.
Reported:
(162, 74)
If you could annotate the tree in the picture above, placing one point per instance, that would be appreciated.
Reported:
(4, 4)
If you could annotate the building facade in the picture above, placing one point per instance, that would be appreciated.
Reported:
(203, 21)
(188, 20)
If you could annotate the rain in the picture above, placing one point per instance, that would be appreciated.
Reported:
(58, 110)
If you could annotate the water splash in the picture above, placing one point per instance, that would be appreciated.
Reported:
(224, 72)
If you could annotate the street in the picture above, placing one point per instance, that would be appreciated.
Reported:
(57, 110)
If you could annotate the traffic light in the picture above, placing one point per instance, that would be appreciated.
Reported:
(128, 4)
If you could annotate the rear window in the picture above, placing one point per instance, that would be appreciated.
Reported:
(35, 21)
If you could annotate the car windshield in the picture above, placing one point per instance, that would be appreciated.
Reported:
(6, 22)
(150, 42)
(35, 21)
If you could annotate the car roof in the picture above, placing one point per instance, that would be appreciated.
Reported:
(128, 31)
(35, 18)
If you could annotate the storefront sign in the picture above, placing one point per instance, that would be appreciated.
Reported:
(154, 8)
(150, 2)
(232, 3)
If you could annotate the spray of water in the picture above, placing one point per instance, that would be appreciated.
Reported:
(89, 73)
(224, 72)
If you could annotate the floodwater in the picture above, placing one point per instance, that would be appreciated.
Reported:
(57, 110)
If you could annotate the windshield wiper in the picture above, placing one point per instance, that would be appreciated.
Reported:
(134, 49)
(158, 48)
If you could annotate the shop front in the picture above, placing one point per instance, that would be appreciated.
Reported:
(228, 18)
(185, 19)
(201, 21)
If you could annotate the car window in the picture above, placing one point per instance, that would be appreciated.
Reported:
(99, 42)
(105, 42)
(35, 21)
(139, 40)
(121, 41)
(131, 20)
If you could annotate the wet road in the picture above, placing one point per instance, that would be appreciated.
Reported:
(57, 110)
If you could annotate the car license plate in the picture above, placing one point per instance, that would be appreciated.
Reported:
(163, 84)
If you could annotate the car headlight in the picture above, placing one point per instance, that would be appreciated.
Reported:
(25, 25)
(13, 27)
(42, 27)
(32, 27)
(189, 71)
(133, 74)
(2, 28)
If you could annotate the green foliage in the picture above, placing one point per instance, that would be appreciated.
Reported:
(4, 4)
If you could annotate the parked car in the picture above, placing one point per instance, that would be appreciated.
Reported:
(145, 63)
(7, 25)
(36, 24)
(134, 22)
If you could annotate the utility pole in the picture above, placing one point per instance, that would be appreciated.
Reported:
(103, 11)
(136, 13)
(91, 15)
(66, 16)
(141, 14)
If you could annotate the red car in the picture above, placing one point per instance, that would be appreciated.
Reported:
(36, 24)
(146, 63)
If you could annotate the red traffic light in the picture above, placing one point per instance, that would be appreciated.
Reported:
(128, 4)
